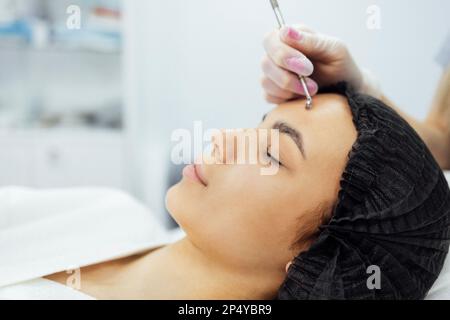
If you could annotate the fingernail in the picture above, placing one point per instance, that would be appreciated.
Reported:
(292, 33)
(300, 65)
(310, 84)
(312, 87)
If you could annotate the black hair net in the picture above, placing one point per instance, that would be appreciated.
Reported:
(393, 212)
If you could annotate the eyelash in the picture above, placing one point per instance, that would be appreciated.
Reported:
(271, 157)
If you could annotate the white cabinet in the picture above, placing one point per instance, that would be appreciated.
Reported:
(15, 168)
(59, 158)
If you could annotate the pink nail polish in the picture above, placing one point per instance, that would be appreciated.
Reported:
(310, 84)
(312, 87)
(299, 88)
(299, 65)
(293, 34)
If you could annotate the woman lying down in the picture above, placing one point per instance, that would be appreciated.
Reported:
(357, 196)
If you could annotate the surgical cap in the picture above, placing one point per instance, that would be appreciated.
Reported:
(391, 218)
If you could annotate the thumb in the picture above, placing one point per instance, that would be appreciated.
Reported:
(315, 46)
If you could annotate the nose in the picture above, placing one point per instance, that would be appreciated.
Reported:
(220, 145)
(235, 146)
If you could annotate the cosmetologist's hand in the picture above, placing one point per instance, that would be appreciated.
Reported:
(323, 60)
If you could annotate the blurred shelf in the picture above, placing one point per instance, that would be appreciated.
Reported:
(26, 129)
(62, 158)
(56, 49)
(47, 25)
(60, 132)
(61, 116)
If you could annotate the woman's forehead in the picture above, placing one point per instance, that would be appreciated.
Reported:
(329, 123)
(329, 109)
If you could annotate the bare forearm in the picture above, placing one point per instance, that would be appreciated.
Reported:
(439, 116)
(435, 130)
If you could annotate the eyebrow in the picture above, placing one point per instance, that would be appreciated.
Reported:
(293, 134)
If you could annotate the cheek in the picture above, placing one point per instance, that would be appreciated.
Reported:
(259, 210)
(225, 200)
(240, 213)
(255, 225)
(245, 191)
(319, 180)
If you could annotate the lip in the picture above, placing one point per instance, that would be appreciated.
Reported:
(193, 172)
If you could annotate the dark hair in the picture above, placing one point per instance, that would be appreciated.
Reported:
(393, 212)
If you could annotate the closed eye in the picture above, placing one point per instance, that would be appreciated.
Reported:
(294, 134)
(273, 158)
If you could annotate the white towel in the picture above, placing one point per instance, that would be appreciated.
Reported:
(44, 232)
(41, 289)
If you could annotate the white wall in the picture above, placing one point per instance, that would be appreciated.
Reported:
(199, 60)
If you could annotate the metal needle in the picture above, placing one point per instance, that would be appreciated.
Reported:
(281, 23)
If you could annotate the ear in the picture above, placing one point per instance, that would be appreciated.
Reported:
(288, 265)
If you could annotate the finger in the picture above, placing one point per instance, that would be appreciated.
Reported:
(274, 100)
(286, 80)
(311, 85)
(272, 89)
(312, 45)
(304, 28)
(286, 56)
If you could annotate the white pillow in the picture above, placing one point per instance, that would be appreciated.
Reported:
(441, 288)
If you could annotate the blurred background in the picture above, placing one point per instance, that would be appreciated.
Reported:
(96, 106)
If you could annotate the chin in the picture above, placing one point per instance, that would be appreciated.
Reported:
(184, 202)
(171, 199)
(178, 202)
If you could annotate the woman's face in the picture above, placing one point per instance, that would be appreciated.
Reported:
(249, 220)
